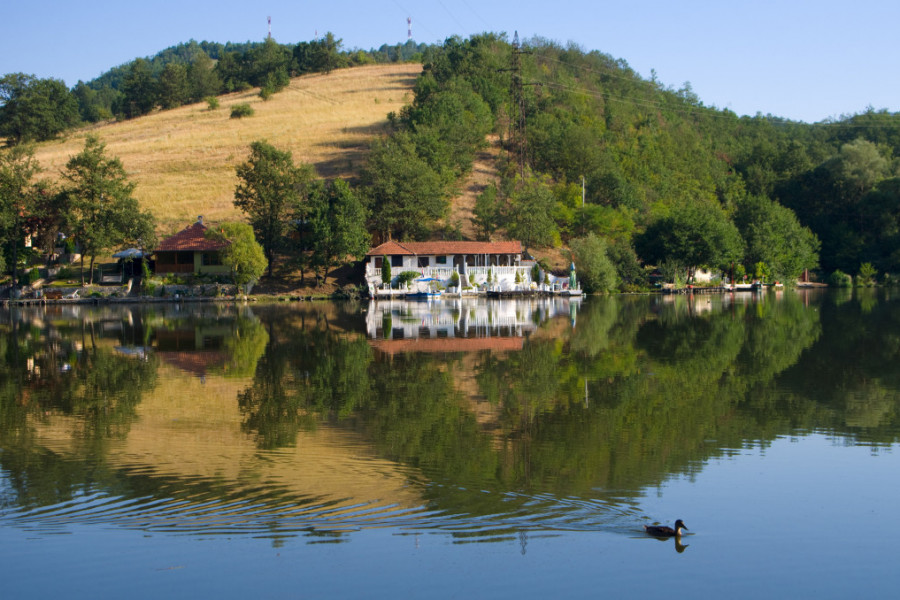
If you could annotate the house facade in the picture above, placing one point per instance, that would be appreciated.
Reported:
(473, 262)
(190, 252)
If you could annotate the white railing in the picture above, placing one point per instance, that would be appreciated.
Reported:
(480, 273)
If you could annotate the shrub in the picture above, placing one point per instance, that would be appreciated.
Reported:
(239, 111)
(385, 271)
(595, 270)
(212, 103)
(840, 279)
(867, 275)
(405, 277)
(454, 279)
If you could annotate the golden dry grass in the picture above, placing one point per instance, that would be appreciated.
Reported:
(183, 160)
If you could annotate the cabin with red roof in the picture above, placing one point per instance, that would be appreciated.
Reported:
(190, 252)
(437, 261)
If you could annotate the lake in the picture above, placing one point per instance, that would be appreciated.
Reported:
(453, 448)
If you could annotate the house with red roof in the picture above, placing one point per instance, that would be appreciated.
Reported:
(190, 252)
(473, 262)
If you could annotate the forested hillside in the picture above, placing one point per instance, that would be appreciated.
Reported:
(668, 181)
(626, 172)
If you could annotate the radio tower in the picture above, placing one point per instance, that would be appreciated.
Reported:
(408, 28)
(270, 27)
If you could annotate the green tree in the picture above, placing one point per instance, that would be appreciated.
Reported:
(595, 270)
(319, 56)
(531, 215)
(694, 234)
(773, 235)
(406, 195)
(18, 191)
(867, 273)
(487, 212)
(174, 89)
(337, 224)
(140, 89)
(35, 109)
(243, 255)
(386, 270)
(203, 81)
(270, 189)
(101, 212)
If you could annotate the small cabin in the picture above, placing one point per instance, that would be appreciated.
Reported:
(190, 252)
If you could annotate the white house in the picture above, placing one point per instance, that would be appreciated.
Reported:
(472, 261)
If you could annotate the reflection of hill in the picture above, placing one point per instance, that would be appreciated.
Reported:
(632, 392)
(189, 431)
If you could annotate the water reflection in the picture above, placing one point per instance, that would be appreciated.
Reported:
(485, 419)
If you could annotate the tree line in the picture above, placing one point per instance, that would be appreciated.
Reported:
(311, 224)
(623, 171)
(628, 173)
(35, 109)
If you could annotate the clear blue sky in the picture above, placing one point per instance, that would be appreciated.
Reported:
(792, 58)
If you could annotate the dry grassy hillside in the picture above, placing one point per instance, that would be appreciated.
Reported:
(183, 160)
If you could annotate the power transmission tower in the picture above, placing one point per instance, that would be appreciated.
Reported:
(518, 144)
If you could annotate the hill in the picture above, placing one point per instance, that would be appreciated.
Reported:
(183, 160)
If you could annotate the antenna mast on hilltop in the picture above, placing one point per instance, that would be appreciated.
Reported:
(408, 28)
(270, 27)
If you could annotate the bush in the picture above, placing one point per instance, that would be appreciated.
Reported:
(33, 275)
(405, 277)
(239, 111)
(867, 275)
(595, 270)
(840, 279)
(212, 103)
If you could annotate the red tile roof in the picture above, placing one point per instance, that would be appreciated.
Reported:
(191, 239)
(392, 248)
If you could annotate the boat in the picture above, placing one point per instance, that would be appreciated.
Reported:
(423, 295)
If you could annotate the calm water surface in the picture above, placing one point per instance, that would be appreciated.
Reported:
(453, 449)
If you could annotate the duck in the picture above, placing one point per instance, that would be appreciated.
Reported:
(664, 530)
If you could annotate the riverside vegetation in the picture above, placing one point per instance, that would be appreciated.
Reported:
(667, 181)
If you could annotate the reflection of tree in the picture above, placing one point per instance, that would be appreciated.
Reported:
(244, 346)
(68, 371)
(851, 374)
(310, 370)
(668, 387)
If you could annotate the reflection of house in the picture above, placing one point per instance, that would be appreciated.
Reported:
(190, 251)
(439, 260)
(461, 325)
(193, 349)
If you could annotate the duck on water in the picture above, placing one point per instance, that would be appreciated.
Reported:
(664, 530)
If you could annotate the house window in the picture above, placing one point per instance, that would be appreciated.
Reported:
(378, 262)
(397, 261)
(212, 259)
(441, 260)
(423, 261)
